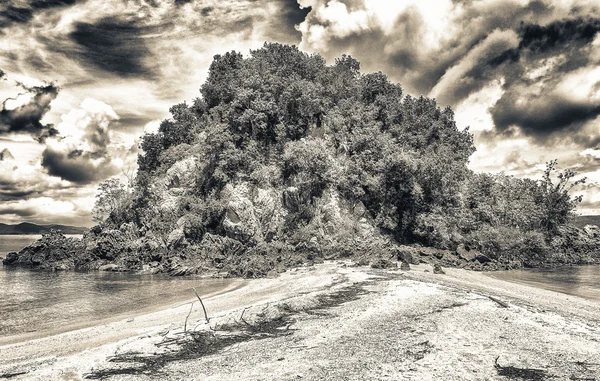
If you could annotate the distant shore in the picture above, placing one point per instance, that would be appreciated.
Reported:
(334, 321)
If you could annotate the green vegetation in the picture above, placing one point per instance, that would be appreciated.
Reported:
(285, 160)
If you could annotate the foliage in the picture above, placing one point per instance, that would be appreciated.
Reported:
(282, 121)
(113, 202)
(558, 204)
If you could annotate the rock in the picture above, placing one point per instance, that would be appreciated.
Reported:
(482, 258)
(11, 258)
(593, 231)
(109, 267)
(176, 238)
(407, 254)
(404, 266)
(53, 251)
(437, 269)
(429, 252)
(272, 274)
(449, 259)
(465, 253)
(381, 263)
(181, 271)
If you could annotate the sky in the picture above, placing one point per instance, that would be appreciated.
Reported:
(82, 80)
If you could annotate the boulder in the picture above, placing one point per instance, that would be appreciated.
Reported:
(176, 238)
(272, 274)
(11, 258)
(465, 253)
(406, 254)
(437, 269)
(482, 258)
(381, 263)
(404, 266)
(448, 258)
(109, 267)
(592, 231)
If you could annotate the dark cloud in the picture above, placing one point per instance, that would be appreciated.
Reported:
(15, 14)
(46, 4)
(541, 116)
(21, 212)
(132, 122)
(533, 105)
(283, 28)
(116, 45)
(76, 166)
(27, 118)
(206, 11)
(540, 38)
(13, 191)
(10, 13)
(563, 34)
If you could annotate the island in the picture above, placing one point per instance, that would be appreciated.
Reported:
(351, 205)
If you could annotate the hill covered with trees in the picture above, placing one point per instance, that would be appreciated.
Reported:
(285, 160)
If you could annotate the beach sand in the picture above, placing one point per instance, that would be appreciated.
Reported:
(341, 323)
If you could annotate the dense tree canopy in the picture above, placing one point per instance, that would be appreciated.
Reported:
(283, 120)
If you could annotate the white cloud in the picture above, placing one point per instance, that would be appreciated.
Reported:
(591, 152)
(152, 127)
(474, 111)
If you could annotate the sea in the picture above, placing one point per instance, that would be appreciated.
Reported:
(38, 302)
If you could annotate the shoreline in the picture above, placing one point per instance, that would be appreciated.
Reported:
(454, 312)
(35, 335)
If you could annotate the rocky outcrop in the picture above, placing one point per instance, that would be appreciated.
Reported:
(53, 251)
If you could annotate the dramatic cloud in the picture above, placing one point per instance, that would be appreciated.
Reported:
(41, 210)
(23, 11)
(115, 45)
(24, 112)
(80, 152)
(523, 74)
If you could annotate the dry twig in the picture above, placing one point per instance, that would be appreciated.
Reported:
(186, 318)
(201, 303)
(500, 303)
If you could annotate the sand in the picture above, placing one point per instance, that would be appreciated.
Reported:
(412, 325)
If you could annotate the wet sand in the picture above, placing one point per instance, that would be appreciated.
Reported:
(412, 325)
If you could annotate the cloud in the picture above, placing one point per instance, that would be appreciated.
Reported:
(23, 13)
(117, 45)
(470, 73)
(24, 113)
(44, 209)
(542, 38)
(80, 153)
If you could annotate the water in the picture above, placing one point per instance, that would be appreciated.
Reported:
(17, 242)
(41, 301)
(582, 281)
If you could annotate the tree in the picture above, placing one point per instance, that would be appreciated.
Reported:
(112, 202)
(559, 205)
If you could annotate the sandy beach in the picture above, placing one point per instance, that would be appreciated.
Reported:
(336, 322)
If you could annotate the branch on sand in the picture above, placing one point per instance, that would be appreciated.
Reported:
(201, 303)
(500, 303)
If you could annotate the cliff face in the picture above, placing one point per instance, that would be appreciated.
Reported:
(286, 160)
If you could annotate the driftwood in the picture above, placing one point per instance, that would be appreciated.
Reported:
(202, 304)
(242, 317)
(11, 375)
(520, 373)
(500, 303)
(186, 318)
